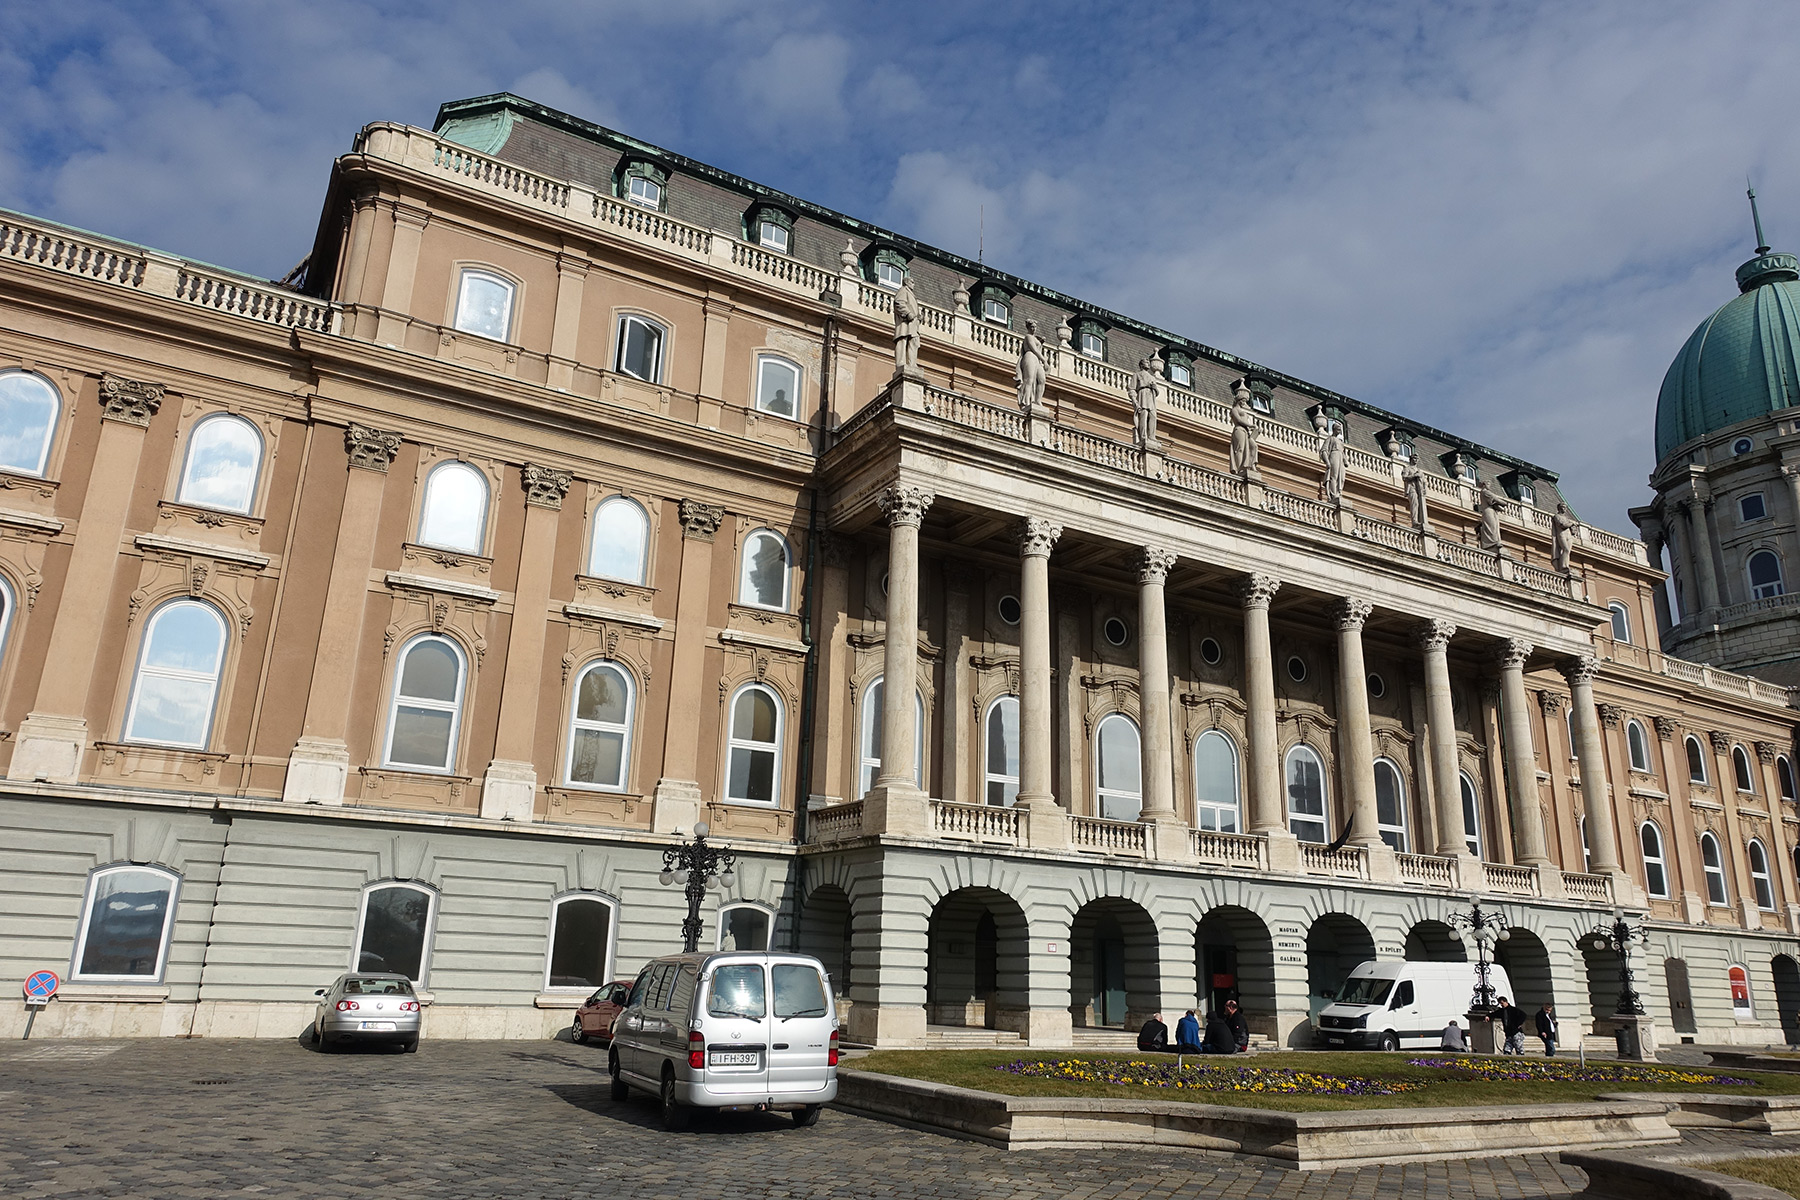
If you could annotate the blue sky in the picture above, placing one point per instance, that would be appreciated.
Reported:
(1502, 219)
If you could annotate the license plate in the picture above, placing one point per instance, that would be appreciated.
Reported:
(743, 1059)
(1335, 1041)
(379, 1026)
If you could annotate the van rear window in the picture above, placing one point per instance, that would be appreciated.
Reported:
(737, 991)
(1365, 991)
(799, 992)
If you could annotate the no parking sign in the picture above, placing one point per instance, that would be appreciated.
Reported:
(40, 986)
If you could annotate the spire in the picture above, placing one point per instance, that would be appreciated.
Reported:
(1762, 244)
(1765, 267)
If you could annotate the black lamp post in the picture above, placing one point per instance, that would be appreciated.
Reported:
(1618, 937)
(1488, 929)
(698, 866)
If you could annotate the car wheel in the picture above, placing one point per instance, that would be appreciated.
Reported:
(1389, 1042)
(619, 1089)
(808, 1116)
(577, 1034)
(674, 1114)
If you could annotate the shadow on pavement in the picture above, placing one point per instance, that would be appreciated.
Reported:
(643, 1112)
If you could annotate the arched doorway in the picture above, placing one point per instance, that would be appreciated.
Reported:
(1114, 975)
(1603, 977)
(1434, 941)
(825, 933)
(1527, 963)
(1234, 957)
(1681, 994)
(1787, 996)
(1335, 944)
(976, 969)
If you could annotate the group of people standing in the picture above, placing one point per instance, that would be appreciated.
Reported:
(1226, 1033)
(1512, 1024)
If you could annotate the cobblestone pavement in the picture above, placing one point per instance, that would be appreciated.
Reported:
(172, 1118)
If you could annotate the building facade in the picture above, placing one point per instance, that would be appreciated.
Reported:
(582, 493)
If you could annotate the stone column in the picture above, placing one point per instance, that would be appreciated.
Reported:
(1681, 564)
(1521, 763)
(1790, 475)
(509, 789)
(402, 267)
(1268, 815)
(319, 767)
(565, 335)
(676, 804)
(1356, 751)
(1036, 537)
(905, 510)
(54, 734)
(1700, 546)
(1603, 843)
(1655, 539)
(1153, 686)
(958, 781)
(1440, 712)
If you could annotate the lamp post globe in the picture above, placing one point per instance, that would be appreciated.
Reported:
(697, 867)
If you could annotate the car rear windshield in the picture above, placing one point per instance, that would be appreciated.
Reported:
(1364, 991)
(799, 992)
(377, 987)
(737, 991)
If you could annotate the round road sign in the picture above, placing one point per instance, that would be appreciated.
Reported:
(41, 985)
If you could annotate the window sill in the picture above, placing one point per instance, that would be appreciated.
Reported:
(565, 1000)
(1647, 793)
(115, 993)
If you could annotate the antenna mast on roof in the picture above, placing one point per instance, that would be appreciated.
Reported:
(1762, 244)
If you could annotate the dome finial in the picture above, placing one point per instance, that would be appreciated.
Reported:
(1762, 244)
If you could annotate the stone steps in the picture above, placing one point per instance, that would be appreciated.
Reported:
(962, 1037)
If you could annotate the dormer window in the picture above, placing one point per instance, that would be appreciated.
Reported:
(770, 227)
(642, 183)
(890, 275)
(1527, 494)
(993, 308)
(1460, 466)
(1090, 338)
(646, 192)
(1180, 369)
(1329, 420)
(771, 236)
(1262, 394)
(884, 265)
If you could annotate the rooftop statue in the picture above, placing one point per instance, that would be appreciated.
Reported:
(1413, 476)
(1331, 453)
(906, 329)
(1562, 538)
(1489, 504)
(1243, 434)
(1146, 395)
(1031, 370)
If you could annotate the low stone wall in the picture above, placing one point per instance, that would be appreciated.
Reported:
(1708, 1110)
(1749, 1060)
(1305, 1141)
(1632, 1177)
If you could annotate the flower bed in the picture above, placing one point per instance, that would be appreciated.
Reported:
(1278, 1081)
(1556, 1070)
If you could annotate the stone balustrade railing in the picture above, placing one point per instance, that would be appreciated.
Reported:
(1592, 889)
(1509, 880)
(1230, 849)
(1428, 870)
(975, 822)
(835, 823)
(1730, 682)
(1351, 862)
(1108, 837)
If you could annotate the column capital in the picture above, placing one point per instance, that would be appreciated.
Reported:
(1036, 537)
(1666, 727)
(129, 400)
(1611, 715)
(1512, 653)
(1257, 590)
(546, 486)
(1580, 669)
(1434, 635)
(903, 504)
(700, 520)
(1551, 702)
(370, 449)
(1350, 613)
(1765, 752)
(1721, 742)
(1153, 563)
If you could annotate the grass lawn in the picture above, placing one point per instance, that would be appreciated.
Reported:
(1783, 1173)
(1431, 1086)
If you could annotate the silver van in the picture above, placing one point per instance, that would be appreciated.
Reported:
(731, 1030)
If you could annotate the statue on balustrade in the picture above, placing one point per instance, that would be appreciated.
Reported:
(1489, 504)
(1031, 370)
(906, 329)
(1562, 538)
(1146, 394)
(1413, 476)
(1243, 434)
(1331, 453)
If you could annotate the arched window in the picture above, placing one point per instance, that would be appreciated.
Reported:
(640, 353)
(1471, 806)
(1765, 575)
(1656, 878)
(1621, 622)
(224, 454)
(1696, 760)
(29, 408)
(126, 919)
(1569, 728)
(871, 737)
(753, 770)
(1740, 769)
(1216, 794)
(1739, 980)
(393, 930)
(1712, 865)
(1390, 804)
(1759, 876)
(1587, 851)
(763, 582)
(426, 709)
(177, 682)
(454, 514)
(743, 927)
(1638, 746)
(621, 537)
(777, 386)
(1002, 752)
(1784, 767)
(484, 305)
(1118, 769)
(600, 730)
(6, 613)
(582, 932)
(1306, 794)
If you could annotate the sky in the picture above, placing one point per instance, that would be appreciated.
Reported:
(1501, 219)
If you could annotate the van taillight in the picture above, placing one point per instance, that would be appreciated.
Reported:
(696, 1052)
(831, 1055)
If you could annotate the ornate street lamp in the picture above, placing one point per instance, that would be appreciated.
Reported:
(1488, 929)
(697, 866)
(1618, 938)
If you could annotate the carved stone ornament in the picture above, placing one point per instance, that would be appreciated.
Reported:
(370, 449)
(1037, 536)
(1666, 727)
(546, 486)
(129, 400)
(1581, 670)
(700, 520)
(1765, 752)
(1256, 591)
(1721, 742)
(1551, 702)
(197, 578)
(1611, 715)
(904, 505)
(1350, 613)
(834, 549)
(1512, 654)
(1434, 636)
(1153, 565)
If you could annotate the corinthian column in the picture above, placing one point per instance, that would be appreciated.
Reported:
(1267, 813)
(1153, 685)
(1603, 852)
(1440, 715)
(905, 509)
(1355, 748)
(1521, 763)
(1036, 537)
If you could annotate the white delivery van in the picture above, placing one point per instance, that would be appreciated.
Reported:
(1404, 1005)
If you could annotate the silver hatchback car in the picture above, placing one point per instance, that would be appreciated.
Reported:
(365, 1006)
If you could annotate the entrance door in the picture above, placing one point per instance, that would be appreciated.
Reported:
(1681, 998)
(1109, 973)
(1787, 996)
(1218, 976)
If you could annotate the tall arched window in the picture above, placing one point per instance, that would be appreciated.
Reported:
(1118, 769)
(224, 455)
(454, 514)
(426, 709)
(600, 729)
(871, 737)
(1712, 865)
(29, 408)
(777, 386)
(484, 304)
(1759, 876)
(1765, 575)
(6, 614)
(1621, 621)
(1637, 745)
(1696, 760)
(1390, 804)
(1784, 766)
(1740, 770)
(763, 582)
(1739, 981)
(1306, 794)
(1471, 806)
(753, 769)
(621, 539)
(582, 932)
(1002, 752)
(177, 682)
(744, 927)
(1587, 851)
(1216, 794)
(393, 930)
(126, 919)
(1656, 877)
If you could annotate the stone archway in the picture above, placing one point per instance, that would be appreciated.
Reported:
(1335, 944)
(1234, 957)
(1434, 941)
(976, 967)
(1787, 996)
(1527, 963)
(1114, 967)
(826, 934)
(1603, 977)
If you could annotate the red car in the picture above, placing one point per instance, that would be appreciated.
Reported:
(594, 1019)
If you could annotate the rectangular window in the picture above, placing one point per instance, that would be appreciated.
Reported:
(799, 992)
(484, 305)
(640, 349)
(1751, 507)
(646, 192)
(889, 274)
(681, 996)
(1180, 375)
(777, 387)
(772, 237)
(737, 991)
(995, 310)
(125, 927)
(1093, 345)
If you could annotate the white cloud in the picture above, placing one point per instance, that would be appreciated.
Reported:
(798, 84)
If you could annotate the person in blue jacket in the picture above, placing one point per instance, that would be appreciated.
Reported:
(1187, 1034)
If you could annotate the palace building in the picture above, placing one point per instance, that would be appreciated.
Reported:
(403, 615)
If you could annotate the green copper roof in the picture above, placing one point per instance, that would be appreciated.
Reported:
(1743, 361)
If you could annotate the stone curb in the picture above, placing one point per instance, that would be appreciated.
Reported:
(1614, 1176)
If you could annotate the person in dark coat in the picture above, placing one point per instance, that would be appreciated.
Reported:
(1546, 1028)
(1219, 1038)
(1512, 1020)
(1187, 1034)
(1240, 1028)
(1154, 1036)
